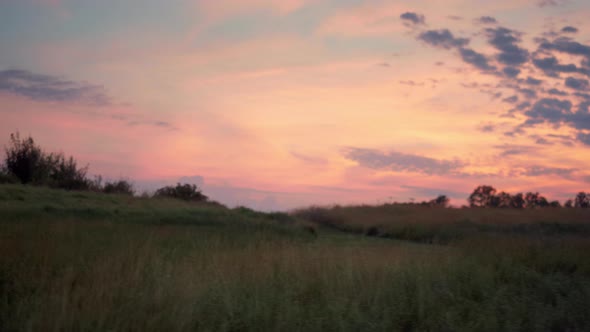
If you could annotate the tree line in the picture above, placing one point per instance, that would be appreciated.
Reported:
(487, 196)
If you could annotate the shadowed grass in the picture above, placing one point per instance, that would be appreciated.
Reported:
(444, 225)
(159, 265)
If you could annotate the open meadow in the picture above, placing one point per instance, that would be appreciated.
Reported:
(84, 261)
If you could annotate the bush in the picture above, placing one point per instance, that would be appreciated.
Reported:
(187, 192)
(25, 160)
(6, 177)
(28, 163)
(65, 174)
(119, 187)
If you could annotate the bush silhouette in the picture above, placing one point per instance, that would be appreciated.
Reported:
(28, 163)
(25, 160)
(187, 192)
(65, 174)
(118, 187)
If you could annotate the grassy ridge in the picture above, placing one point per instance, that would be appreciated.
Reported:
(94, 262)
(444, 225)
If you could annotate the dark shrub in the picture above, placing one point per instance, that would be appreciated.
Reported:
(187, 192)
(28, 163)
(118, 187)
(65, 174)
(6, 177)
(440, 201)
(25, 160)
(372, 231)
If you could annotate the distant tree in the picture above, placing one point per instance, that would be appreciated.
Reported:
(534, 199)
(482, 196)
(555, 204)
(122, 187)
(543, 202)
(531, 199)
(502, 200)
(517, 201)
(187, 192)
(441, 200)
(582, 200)
(569, 203)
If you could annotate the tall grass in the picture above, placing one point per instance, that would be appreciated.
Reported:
(140, 269)
(444, 225)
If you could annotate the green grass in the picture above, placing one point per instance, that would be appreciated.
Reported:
(92, 262)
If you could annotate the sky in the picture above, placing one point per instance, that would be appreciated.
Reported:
(282, 104)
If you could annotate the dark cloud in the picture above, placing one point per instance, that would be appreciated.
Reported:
(556, 92)
(559, 112)
(455, 17)
(550, 110)
(511, 100)
(523, 106)
(402, 162)
(511, 71)
(542, 141)
(476, 59)
(537, 170)
(544, 101)
(551, 3)
(488, 128)
(40, 87)
(576, 84)
(506, 40)
(584, 107)
(513, 149)
(566, 45)
(442, 38)
(159, 124)
(551, 67)
(569, 29)
(533, 81)
(486, 20)
(492, 93)
(580, 120)
(584, 138)
(528, 93)
(414, 18)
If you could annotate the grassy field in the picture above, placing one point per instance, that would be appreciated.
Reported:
(78, 261)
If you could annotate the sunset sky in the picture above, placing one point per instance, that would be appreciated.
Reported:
(279, 104)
